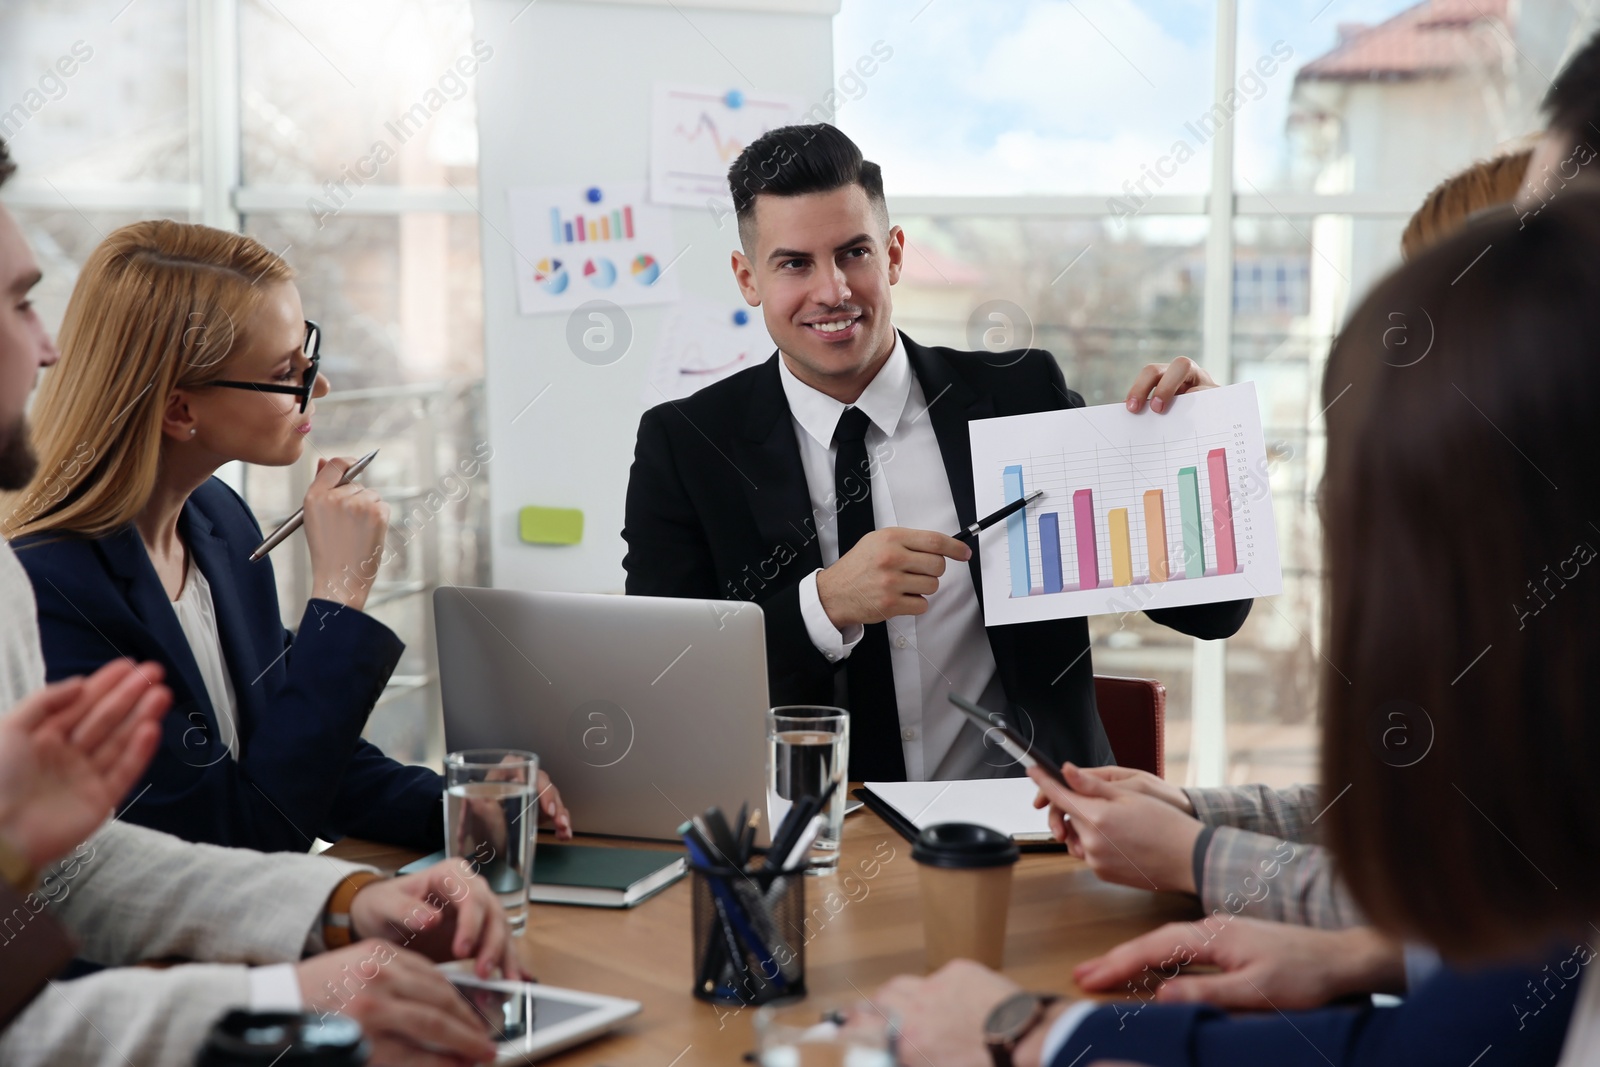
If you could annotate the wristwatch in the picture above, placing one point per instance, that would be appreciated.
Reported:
(337, 930)
(1012, 1020)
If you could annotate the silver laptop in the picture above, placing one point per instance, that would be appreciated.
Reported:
(643, 710)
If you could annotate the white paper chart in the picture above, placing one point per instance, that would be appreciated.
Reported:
(701, 342)
(1140, 511)
(573, 244)
(696, 132)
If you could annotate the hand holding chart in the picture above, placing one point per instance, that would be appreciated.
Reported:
(1140, 511)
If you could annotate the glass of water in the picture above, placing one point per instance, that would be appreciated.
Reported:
(788, 1036)
(490, 820)
(805, 744)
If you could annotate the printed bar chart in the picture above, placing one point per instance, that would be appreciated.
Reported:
(1121, 547)
(616, 226)
(1222, 510)
(1083, 526)
(1137, 491)
(1155, 524)
(1050, 552)
(1017, 534)
(1194, 545)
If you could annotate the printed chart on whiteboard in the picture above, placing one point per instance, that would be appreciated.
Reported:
(1139, 511)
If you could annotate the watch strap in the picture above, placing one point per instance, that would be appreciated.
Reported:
(1000, 1050)
(336, 928)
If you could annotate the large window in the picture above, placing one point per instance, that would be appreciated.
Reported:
(1140, 178)
(1150, 178)
(297, 122)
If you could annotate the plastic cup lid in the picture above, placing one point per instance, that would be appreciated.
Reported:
(963, 846)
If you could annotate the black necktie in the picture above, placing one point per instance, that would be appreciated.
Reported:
(875, 753)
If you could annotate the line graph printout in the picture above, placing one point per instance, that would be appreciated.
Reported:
(1140, 511)
(696, 132)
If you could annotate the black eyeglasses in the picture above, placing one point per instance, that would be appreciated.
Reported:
(308, 382)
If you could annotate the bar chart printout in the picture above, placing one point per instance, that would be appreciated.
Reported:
(1140, 511)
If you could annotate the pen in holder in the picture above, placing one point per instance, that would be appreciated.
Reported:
(749, 933)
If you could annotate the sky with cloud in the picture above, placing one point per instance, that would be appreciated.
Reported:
(1004, 97)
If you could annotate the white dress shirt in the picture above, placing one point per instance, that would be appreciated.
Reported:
(198, 617)
(943, 649)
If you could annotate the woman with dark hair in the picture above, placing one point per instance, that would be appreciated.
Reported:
(1460, 516)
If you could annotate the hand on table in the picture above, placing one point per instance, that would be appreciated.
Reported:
(941, 1016)
(889, 572)
(70, 751)
(410, 1012)
(447, 912)
(1265, 965)
(1160, 382)
(1126, 835)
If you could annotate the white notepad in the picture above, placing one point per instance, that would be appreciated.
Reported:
(1004, 804)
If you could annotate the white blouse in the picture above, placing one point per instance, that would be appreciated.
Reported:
(198, 617)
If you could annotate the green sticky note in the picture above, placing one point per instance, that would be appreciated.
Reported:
(551, 526)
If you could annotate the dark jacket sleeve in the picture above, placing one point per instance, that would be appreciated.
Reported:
(669, 555)
(337, 665)
(304, 771)
(1487, 1018)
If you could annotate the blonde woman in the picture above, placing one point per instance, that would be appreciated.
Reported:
(183, 348)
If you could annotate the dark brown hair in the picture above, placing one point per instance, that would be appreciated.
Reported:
(7, 168)
(1487, 183)
(794, 161)
(1572, 103)
(1461, 505)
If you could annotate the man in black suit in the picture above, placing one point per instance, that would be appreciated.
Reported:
(822, 484)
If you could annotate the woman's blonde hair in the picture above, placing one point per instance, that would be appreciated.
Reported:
(158, 306)
(1487, 183)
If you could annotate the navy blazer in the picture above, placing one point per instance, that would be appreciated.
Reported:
(1515, 1014)
(302, 699)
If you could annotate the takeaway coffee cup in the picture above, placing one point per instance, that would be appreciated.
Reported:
(965, 873)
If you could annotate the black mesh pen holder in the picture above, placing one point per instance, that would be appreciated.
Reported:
(749, 934)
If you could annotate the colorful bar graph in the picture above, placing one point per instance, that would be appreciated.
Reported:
(615, 226)
(1194, 547)
(1017, 534)
(1222, 511)
(1050, 551)
(1121, 547)
(1155, 533)
(1083, 528)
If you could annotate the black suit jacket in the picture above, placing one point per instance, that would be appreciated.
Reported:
(718, 508)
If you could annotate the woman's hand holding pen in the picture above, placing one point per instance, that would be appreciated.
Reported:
(345, 529)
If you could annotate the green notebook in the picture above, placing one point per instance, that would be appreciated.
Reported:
(591, 874)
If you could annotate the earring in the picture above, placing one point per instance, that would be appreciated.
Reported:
(193, 431)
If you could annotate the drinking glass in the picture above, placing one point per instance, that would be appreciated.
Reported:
(805, 744)
(490, 820)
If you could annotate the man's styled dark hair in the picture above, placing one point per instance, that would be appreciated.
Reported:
(794, 161)
(7, 168)
(1446, 534)
(1572, 104)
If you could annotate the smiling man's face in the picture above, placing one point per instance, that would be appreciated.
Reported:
(820, 270)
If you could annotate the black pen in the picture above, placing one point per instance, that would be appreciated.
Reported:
(989, 520)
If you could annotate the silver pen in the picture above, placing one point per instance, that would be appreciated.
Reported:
(292, 523)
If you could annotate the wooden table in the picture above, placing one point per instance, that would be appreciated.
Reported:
(1061, 913)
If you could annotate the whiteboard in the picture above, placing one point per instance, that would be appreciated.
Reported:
(565, 99)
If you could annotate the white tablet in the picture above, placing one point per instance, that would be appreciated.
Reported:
(530, 1020)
